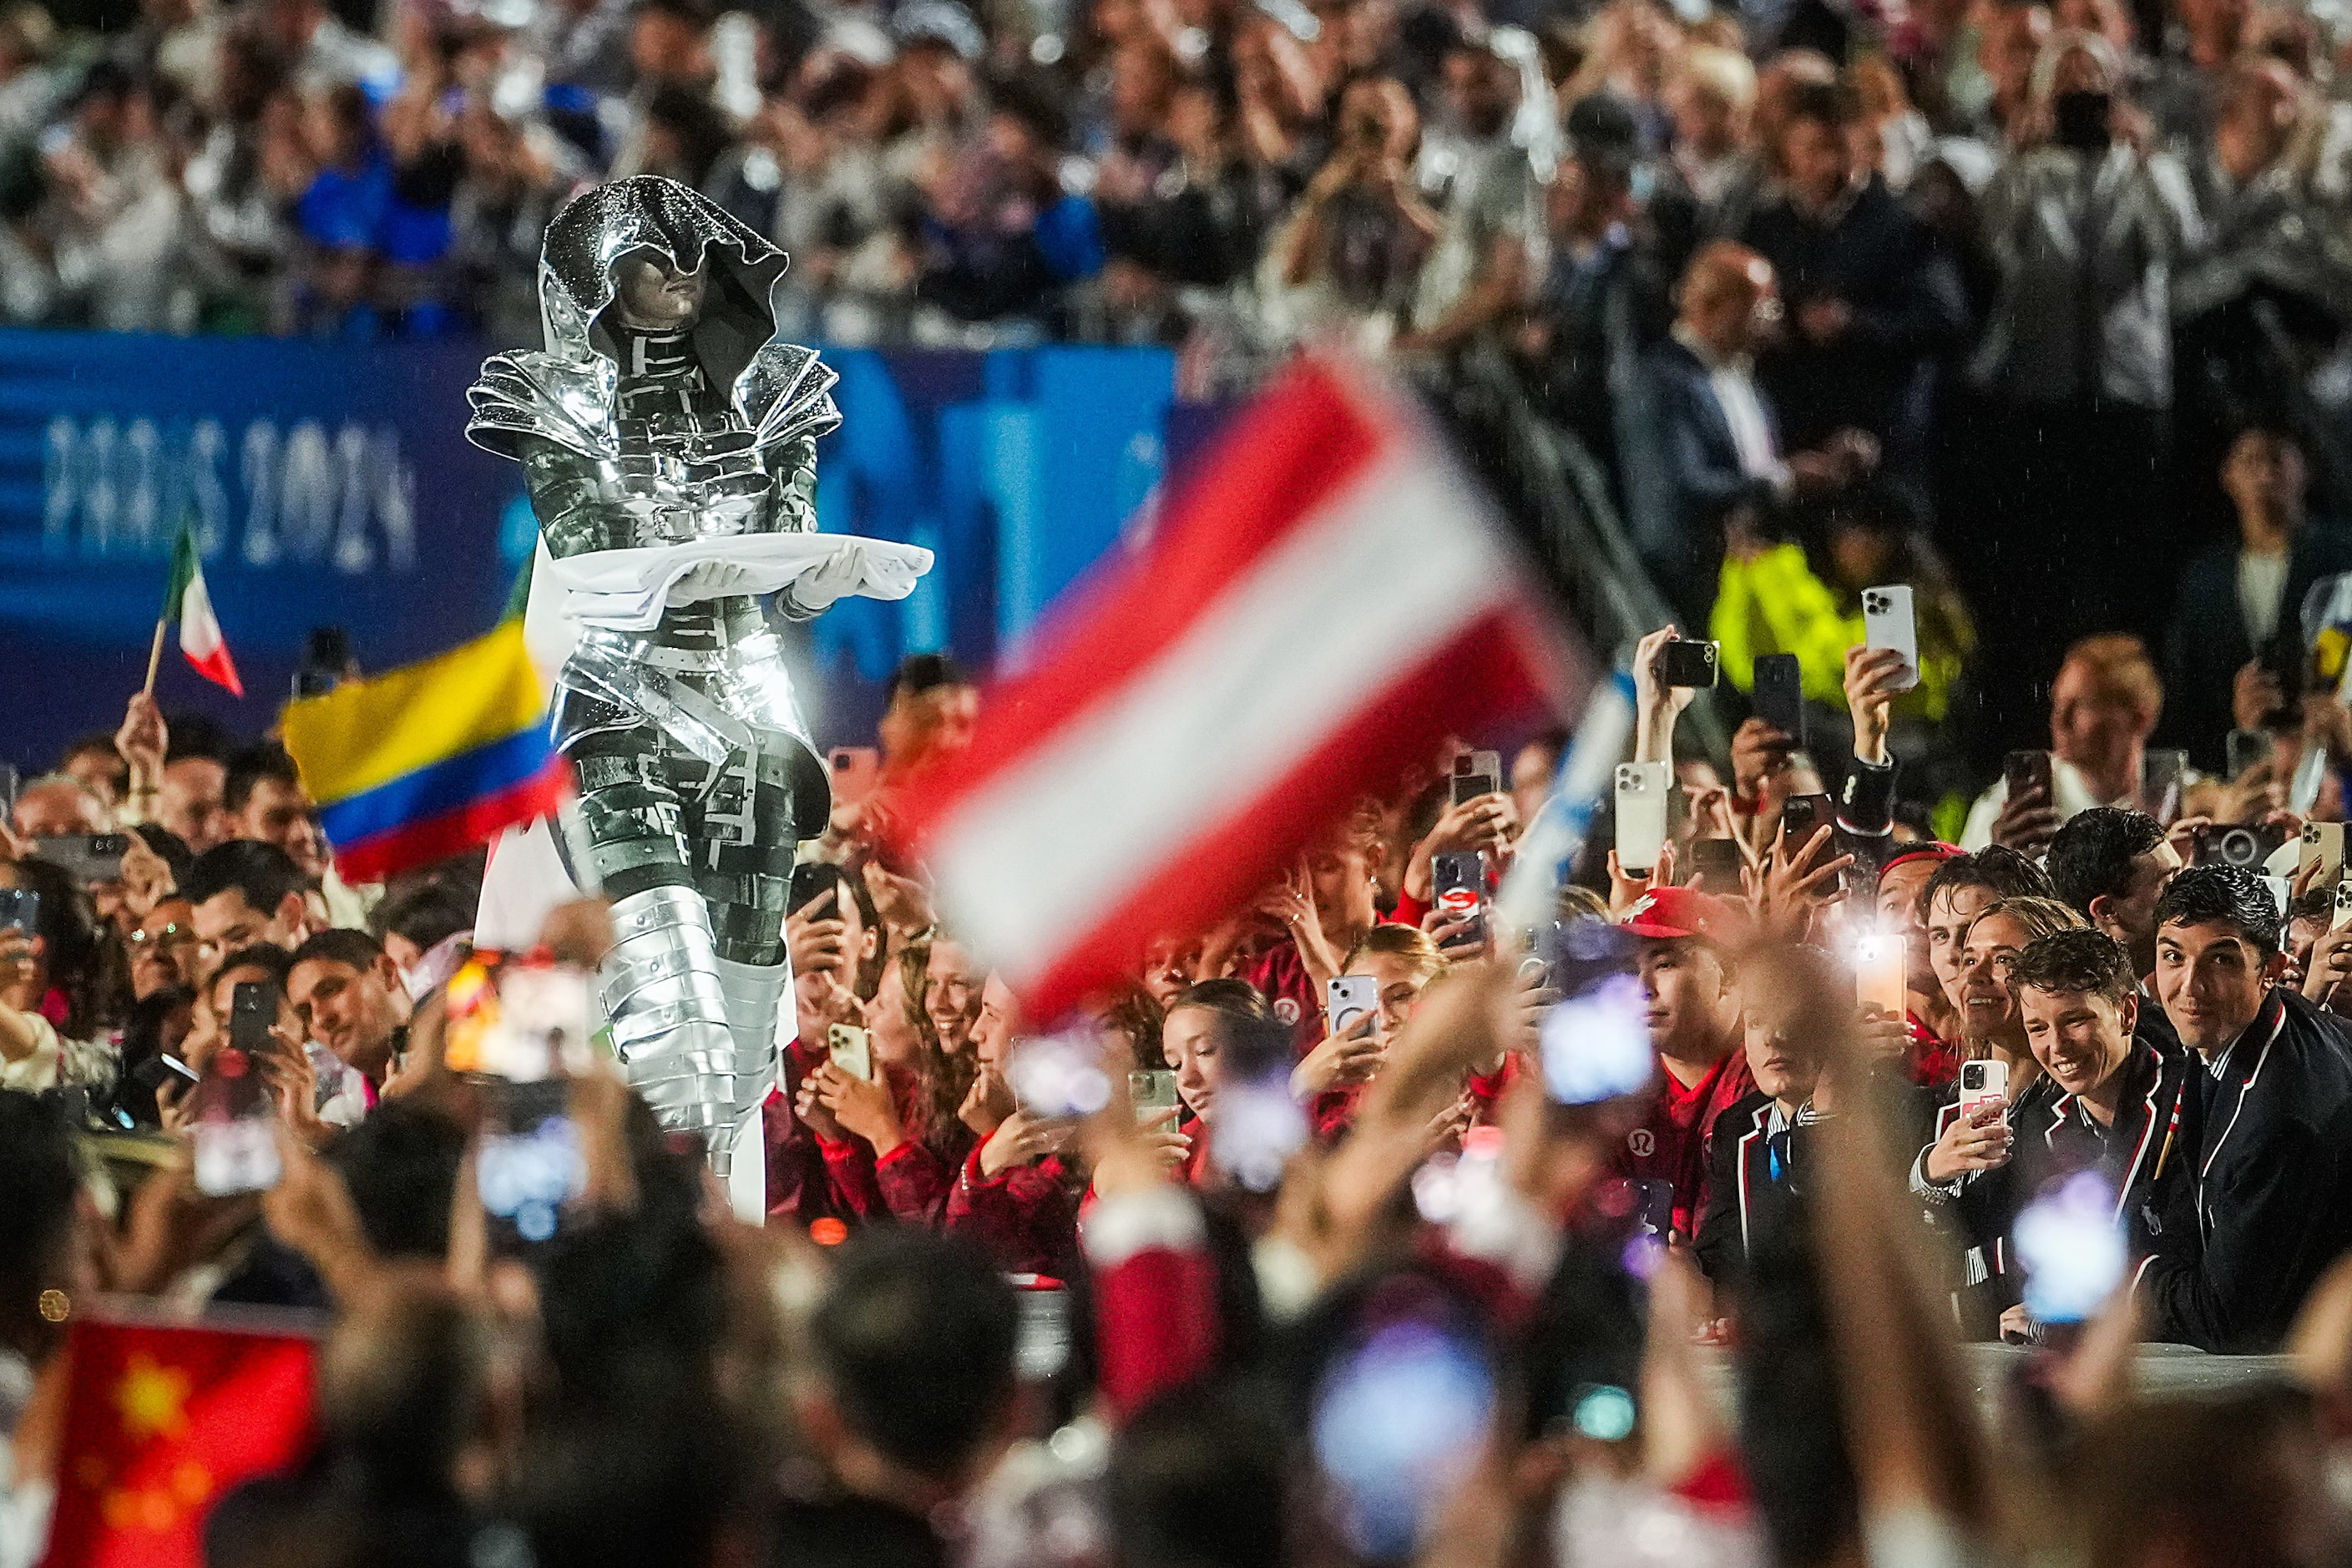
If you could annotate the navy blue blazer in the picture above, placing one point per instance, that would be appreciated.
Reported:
(1689, 476)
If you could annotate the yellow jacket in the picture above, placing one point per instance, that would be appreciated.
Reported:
(1774, 603)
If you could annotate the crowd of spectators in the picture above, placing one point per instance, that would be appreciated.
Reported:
(1963, 299)
(1428, 1280)
(1960, 294)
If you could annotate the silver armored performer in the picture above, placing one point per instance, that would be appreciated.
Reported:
(668, 445)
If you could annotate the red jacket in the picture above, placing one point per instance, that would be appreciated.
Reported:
(1334, 1110)
(1931, 1063)
(1025, 1216)
(1280, 974)
(1670, 1145)
(1155, 1289)
(801, 1188)
(813, 1177)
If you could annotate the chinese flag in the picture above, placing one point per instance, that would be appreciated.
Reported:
(161, 1421)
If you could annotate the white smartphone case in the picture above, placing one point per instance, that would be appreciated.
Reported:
(1642, 789)
(1886, 622)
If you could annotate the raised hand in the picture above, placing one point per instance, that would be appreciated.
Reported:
(1655, 704)
(1979, 1141)
(1874, 679)
(859, 1107)
(2027, 823)
(1351, 1057)
(1792, 887)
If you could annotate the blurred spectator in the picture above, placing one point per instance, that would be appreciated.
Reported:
(30, 86)
(2268, 286)
(115, 209)
(49, 1004)
(516, 173)
(1603, 298)
(99, 767)
(59, 804)
(324, 52)
(2087, 226)
(2104, 706)
(341, 217)
(190, 803)
(1711, 95)
(1489, 252)
(1868, 296)
(1719, 473)
(1350, 256)
(2238, 623)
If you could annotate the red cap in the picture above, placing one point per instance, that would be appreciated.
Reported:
(1669, 913)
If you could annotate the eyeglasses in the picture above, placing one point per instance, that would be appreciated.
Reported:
(172, 935)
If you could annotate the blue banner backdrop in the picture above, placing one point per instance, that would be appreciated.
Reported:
(332, 485)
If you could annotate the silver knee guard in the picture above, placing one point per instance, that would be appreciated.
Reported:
(756, 995)
(668, 1009)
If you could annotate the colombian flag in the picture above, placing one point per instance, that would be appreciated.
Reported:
(431, 760)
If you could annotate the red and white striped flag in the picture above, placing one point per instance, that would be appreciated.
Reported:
(1326, 600)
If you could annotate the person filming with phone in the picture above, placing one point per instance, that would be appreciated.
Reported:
(1976, 1128)
(2243, 1230)
(2104, 706)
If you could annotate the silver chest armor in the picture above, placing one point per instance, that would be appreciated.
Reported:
(696, 777)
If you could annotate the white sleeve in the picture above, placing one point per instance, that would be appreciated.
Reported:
(43, 1068)
(1977, 834)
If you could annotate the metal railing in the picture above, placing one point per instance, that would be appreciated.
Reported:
(1556, 495)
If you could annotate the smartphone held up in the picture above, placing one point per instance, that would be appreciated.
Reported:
(1888, 623)
(1060, 1077)
(91, 860)
(1683, 663)
(1346, 999)
(2073, 1250)
(20, 910)
(529, 1162)
(1593, 1043)
(1643, 789)
(1878, 971)
(520, 1022)
(1476, 774)
(233, 1119)
(1780, 695)
(851, 1049)
(522, 1031)
(1984, 1082)
(1457, 881)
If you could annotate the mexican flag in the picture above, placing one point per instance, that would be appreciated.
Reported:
(187, 601)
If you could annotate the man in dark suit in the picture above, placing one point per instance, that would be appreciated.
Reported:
(1713, 463)
(2237, 1234)
(1760, 1143)
(2107, 1100)
(2238, 619)
(1870, 294)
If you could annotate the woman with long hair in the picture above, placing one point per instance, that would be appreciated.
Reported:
(893, 1142)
